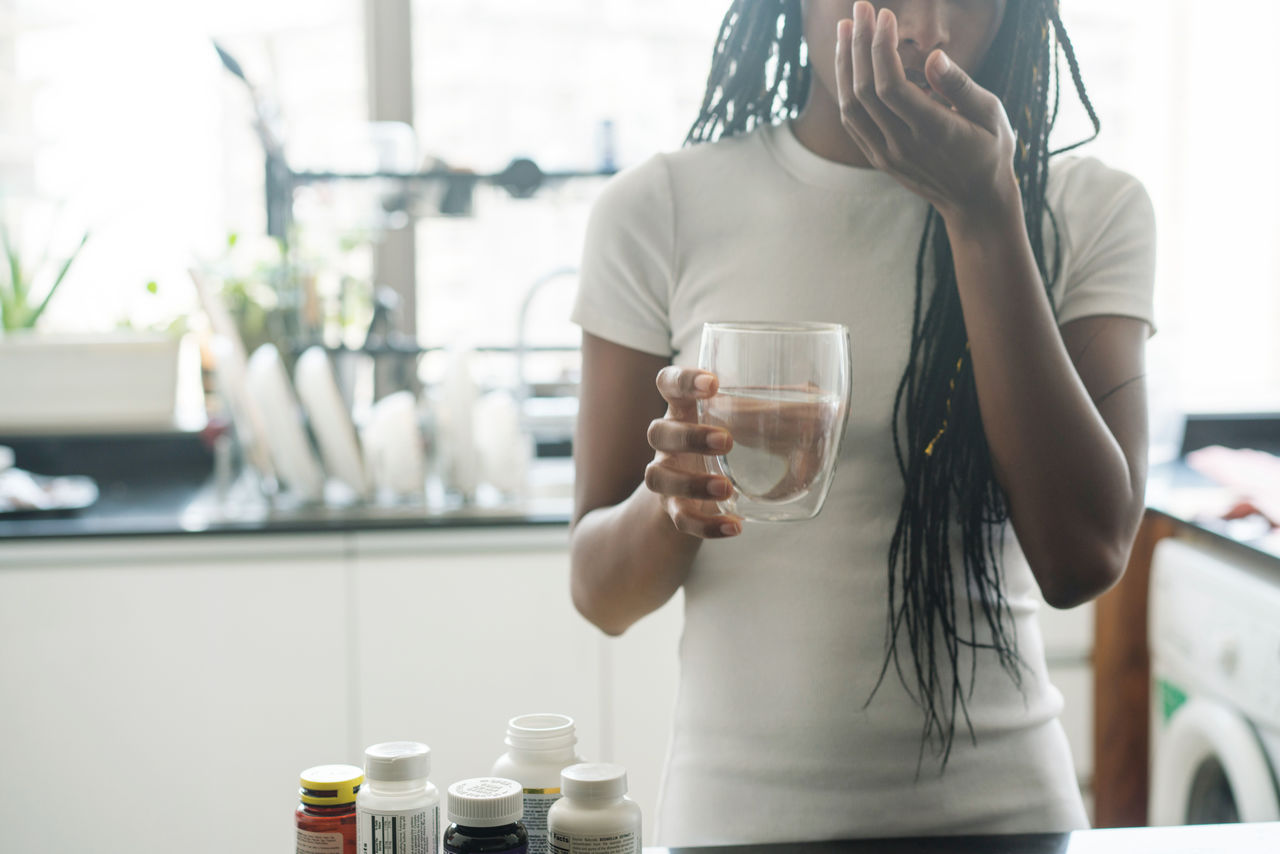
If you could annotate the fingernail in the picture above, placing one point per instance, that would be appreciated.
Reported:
(720, 488)
(944, 62)
(704, 382)
(730, 529)
(718, 441)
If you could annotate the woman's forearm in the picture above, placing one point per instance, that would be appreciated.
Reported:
(1072, 496)
(628, 559)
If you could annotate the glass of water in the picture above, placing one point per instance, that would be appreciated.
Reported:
(784, 397)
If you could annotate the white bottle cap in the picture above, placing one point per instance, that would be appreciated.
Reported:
(397, 761)
(594, 780)
(540, 732)
(486, 802)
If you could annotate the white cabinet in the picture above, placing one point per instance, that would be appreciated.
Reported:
(163, 694)
(455, 632)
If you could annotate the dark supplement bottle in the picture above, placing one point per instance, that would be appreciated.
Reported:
(484, 817)
(326, 814)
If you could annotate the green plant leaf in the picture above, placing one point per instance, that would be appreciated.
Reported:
(43, 258)
(231, 240)
(62, 273)
(17, 288)
(152, 287)
(7, 314)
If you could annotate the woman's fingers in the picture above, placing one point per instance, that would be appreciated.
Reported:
(861, 127)
(970, 100)
(865, 32)
(689, 496)
(672, 482)
(899, 95)
(690, 518)
(681, 437)
(682, 388)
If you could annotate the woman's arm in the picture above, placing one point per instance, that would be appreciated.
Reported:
(1063, 412)
(638, 518)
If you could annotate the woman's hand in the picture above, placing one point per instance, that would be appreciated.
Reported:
(952, 145)
(678, 474)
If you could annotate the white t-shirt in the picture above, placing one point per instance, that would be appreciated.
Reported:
(784, 633)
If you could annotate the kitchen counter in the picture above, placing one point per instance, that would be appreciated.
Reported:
(1187, 498)
(162, 485)
(173, 509)
(1235, 838)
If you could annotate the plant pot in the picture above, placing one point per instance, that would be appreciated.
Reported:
(113, 382)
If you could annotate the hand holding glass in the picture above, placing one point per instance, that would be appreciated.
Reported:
(784, 397)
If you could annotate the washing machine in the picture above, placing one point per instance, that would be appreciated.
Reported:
(1215, 666)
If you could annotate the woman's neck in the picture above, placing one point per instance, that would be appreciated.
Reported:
(818, 129)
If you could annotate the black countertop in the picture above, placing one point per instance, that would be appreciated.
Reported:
(162, 485)
(1233, 838)
(159, 485)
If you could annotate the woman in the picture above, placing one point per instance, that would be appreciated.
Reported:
(890, 172)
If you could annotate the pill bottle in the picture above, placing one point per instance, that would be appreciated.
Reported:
(484, 817)
(539, 747)
(595, 816)
(397, 809)
(326, 814)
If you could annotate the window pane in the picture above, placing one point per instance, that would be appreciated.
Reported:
(125, 117)
(1182, 110)
(496, 79)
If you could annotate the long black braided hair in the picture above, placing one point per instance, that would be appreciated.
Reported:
(760, 74)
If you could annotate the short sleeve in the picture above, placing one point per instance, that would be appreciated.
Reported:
(1107, 230)
(625, 282)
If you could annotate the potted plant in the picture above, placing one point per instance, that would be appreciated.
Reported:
(74, 383)
(21, 300)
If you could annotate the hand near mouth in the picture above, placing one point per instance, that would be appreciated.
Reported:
(934, 129)
(918, 77)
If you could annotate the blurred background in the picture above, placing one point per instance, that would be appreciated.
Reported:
(287, 371)
(123, 119)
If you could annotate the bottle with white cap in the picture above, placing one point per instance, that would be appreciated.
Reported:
(398, 809)
(539, 747)
(594, 816)
(484, 818)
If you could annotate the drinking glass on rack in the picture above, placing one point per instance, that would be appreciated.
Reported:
(784, 397)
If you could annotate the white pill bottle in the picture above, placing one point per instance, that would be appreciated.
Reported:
(595, 816)
(539, 747)
(397, 809)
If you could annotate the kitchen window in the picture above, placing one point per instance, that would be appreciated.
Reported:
(121, 114)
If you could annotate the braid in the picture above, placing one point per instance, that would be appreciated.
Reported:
(759, 74)
(1069, 51)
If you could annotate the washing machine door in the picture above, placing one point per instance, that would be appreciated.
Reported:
(1210, 768)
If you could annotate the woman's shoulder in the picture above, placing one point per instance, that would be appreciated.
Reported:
(1094, 204)
(1105, 227)
(650, 185)
(1081, 184)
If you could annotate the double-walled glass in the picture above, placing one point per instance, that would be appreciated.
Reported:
(784, 397)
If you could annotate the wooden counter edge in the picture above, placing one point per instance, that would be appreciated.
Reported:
(1122, 686)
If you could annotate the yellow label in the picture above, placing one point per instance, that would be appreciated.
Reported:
(554, 791)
